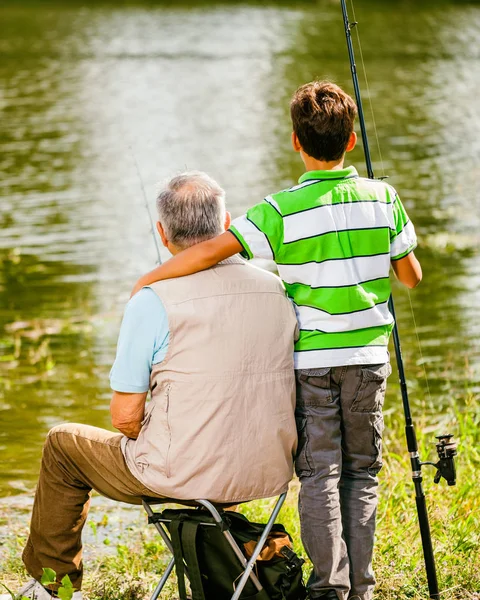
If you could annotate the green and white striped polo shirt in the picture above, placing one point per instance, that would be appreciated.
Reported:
(333, 236)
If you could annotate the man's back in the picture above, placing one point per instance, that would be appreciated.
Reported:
(221, 423)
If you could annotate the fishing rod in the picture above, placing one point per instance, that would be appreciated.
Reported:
(446, 448)
(152, 224)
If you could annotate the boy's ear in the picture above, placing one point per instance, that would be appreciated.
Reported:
(295, 142)
(228, 220)
(161, 232)
(352, 142)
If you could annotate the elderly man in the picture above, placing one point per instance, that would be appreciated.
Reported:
(215, 350)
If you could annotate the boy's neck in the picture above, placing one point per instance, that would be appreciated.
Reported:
(312, 164)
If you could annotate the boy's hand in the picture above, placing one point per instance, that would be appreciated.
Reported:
(147, 279)
(192, 260)
(408, 270)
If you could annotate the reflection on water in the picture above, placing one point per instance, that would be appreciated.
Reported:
(85, 90)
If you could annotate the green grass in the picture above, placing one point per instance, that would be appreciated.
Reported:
(133, 568)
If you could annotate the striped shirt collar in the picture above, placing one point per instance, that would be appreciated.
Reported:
(347, 173)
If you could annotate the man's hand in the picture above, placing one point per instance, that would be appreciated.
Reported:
(127, 412)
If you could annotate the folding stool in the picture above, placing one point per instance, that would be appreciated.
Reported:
(216, 512)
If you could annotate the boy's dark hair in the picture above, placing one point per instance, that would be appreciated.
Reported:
(323, 116)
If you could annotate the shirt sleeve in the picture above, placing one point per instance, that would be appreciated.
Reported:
(142, 342)
(260, 231)
(403, 239)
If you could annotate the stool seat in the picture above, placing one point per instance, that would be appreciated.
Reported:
(154, 500)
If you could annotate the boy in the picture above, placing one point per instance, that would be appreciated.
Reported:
(333, 237)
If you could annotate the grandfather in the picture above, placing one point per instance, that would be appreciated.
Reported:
(215, 350)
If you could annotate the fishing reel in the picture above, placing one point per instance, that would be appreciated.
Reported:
(447, 450)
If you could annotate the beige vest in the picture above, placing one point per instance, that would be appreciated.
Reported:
(221, 422)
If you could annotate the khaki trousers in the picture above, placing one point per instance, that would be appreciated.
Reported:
(76, 459)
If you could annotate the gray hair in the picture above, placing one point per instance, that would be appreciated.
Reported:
(191, 208)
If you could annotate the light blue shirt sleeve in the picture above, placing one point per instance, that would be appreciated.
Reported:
(143, 342)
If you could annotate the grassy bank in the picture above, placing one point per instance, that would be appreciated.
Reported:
(135, 557)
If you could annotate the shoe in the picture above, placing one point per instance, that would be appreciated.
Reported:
(34, 590)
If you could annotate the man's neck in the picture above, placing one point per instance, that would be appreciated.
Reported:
(312, 164)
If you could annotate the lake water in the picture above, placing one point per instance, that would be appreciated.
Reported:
(85, 90)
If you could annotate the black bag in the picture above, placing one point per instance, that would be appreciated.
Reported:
(213, 567)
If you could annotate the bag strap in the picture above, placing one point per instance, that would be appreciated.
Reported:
(189, 537)
(178, 556)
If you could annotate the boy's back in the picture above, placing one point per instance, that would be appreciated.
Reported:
(332, 237)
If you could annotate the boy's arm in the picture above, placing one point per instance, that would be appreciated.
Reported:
(193, 259)
(408, 270)
(257, 234)
(403, 242)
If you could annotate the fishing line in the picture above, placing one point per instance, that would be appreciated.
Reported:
(119, 123)
(420, 348)
(152, 224)
(368, 90)
(424, 368)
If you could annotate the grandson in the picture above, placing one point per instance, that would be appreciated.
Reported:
(333, 237)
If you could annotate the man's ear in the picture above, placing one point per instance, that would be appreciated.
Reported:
(352, 142)
(161, 232)
(228, 220)
(295, 142)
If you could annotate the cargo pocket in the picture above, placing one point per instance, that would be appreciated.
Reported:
(313, 386)
(371, 391)
(303, 460)
(141, 460)
(378, 427)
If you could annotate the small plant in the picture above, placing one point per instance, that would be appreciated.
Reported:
(65, 591)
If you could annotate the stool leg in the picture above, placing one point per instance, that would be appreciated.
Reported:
(258, 548)
(231, 540)
(158, 526)
(163, 580)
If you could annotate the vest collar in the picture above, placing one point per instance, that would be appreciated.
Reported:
(233, 260)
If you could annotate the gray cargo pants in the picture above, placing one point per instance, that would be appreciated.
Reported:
(340, 426)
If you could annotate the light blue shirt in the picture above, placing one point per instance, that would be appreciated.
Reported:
(143, 342)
